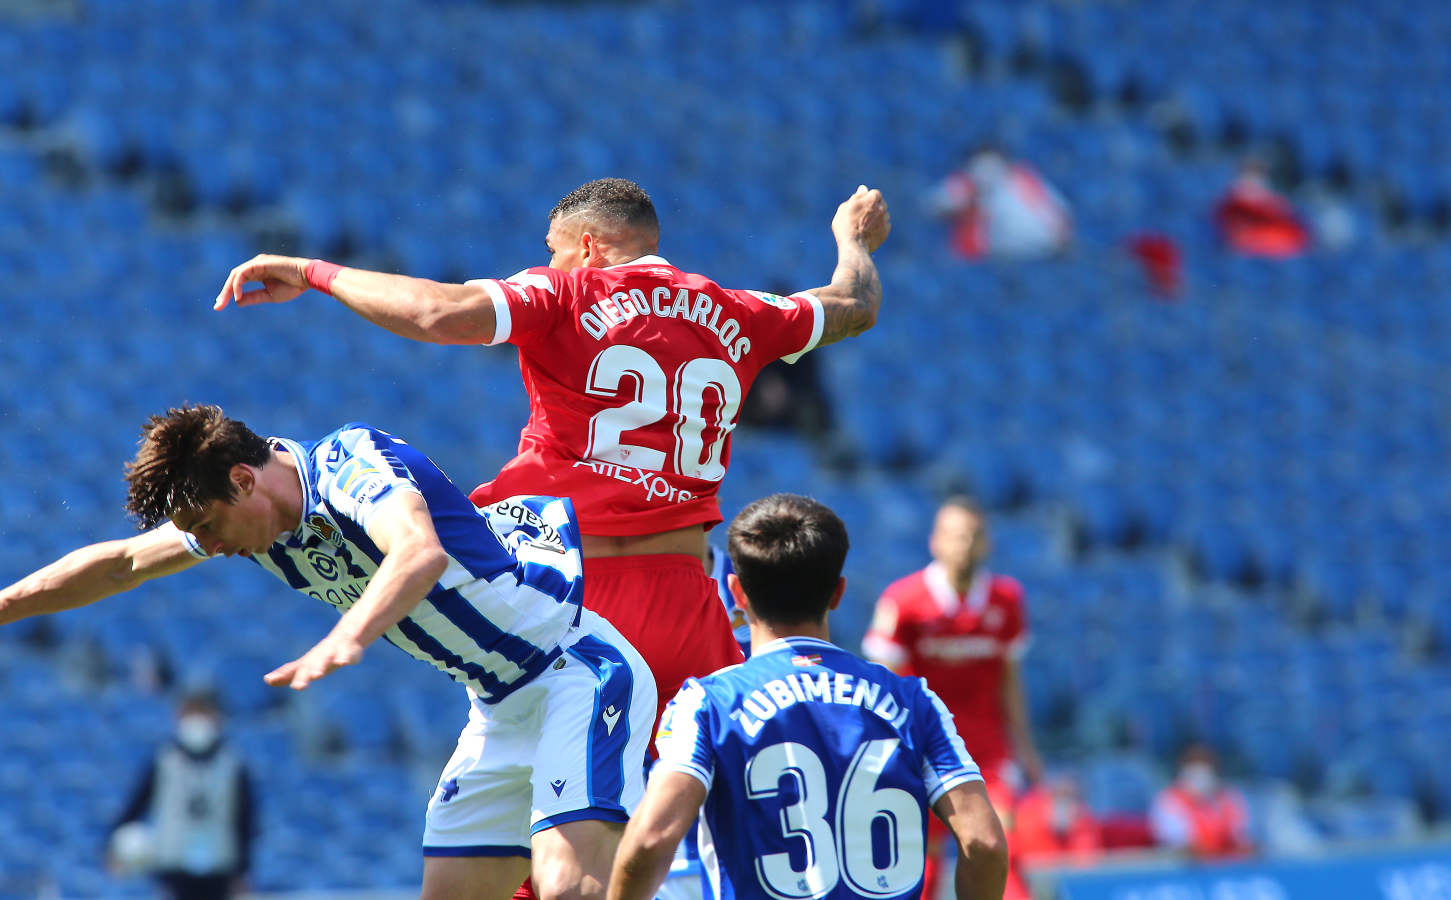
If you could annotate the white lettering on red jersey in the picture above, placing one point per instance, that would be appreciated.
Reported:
(960, 644)
(635, 375)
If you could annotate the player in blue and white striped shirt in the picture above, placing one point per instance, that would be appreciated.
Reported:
(816, 769)
(366, 523)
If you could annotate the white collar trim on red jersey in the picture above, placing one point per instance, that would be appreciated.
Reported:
(946, 596)
(647, 260)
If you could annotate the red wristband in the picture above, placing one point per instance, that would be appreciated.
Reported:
(320, 274)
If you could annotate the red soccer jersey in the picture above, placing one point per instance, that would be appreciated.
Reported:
(960, 645)
(635, 376)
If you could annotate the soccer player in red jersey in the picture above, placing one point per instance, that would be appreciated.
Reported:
(963, 628)
(635, 371)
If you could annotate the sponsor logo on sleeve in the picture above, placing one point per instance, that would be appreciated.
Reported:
(527, 279)
(775, 300)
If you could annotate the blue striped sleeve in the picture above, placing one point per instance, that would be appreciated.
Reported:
(945, 760)
(368, 473)
(684, 738)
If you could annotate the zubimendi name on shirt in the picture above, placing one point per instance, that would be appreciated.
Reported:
(841, 688)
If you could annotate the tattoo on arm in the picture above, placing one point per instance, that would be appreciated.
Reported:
(852, 299)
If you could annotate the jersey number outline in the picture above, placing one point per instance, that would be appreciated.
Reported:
(846, 850)
(651, 402)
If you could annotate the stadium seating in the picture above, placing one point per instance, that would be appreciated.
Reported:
(1227, 510)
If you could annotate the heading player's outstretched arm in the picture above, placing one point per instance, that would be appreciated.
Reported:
(413, 562)
(669, 809)
(99, 570)
(851, 301)
(415, 308)
(982, 848)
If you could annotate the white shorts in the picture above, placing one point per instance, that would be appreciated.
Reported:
(570, 745)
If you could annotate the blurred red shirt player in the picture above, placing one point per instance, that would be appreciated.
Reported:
(963, 628)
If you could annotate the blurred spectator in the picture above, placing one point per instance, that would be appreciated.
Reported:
(1253, 219)
(197, 796)
(964, 629)
(1161, 261)
(147, 670)
(1001, 208)
(1198, 813)
(1333, 219)
(1053, 826)
(789, 396)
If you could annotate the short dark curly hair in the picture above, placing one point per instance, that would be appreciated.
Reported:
(616, 200)
(185, 461)
(788, 551)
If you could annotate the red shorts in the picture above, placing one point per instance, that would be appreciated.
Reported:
(667, 607)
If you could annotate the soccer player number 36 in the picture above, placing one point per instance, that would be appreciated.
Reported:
(656, 399)
(843, 848)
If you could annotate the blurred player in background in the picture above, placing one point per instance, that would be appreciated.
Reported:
(194, 806)
(964, 629)
(368, 524)
(636, 372)
(864, 753)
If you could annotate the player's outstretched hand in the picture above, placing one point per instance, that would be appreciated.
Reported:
(282, 278)
(863, 217)
(329, 655)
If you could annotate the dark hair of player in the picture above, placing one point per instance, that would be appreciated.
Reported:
(185, 461)
(966, 504)
(200, 700)
(614, 200)
(788, 551)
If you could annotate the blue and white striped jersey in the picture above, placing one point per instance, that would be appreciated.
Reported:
(820, 771)
(513, 585)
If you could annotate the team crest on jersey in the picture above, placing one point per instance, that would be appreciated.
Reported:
(320, 526)
(775, 300)
(806, 659)
(992, 618)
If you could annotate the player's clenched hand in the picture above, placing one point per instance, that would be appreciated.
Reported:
(329, 655)
(282, 278)
(863, 217)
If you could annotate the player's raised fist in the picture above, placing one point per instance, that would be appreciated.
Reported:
(864, 217)
(281, 278)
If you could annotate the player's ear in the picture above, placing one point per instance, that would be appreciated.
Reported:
(837, 593)
(733, 584)
(244, 478)
(589, 246)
